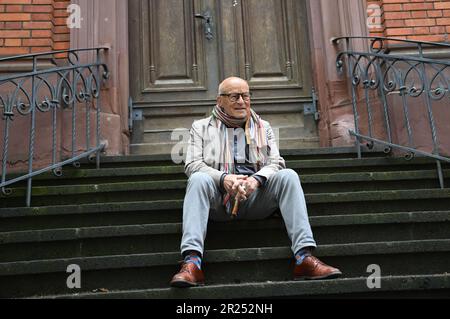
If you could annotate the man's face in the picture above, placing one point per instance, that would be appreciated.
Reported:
(237, 109)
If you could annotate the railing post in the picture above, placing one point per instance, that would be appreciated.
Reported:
(32, 131)
(368, 105)
(354, 103)
(385, 104)
(74, 112)
(405, 110)
(7, 114)
(99, 103)
(54, 106)
(427, 92)
(88, 99)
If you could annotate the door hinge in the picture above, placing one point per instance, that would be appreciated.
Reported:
(311, 108)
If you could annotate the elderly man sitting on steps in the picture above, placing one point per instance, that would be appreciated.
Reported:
(236, 172)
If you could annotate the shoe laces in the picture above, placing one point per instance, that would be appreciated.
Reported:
(184, 268)
(316, 261)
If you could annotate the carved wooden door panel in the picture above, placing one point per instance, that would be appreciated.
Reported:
(266, 42)
(180, 50)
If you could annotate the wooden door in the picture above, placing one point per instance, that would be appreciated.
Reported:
(176, 65)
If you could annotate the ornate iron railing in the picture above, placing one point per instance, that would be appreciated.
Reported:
(49, 89)
(397, 87)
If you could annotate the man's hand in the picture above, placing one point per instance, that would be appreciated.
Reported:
(251, 184)
(240, 186)
(231, 184)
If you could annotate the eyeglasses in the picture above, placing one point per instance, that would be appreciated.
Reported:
(234, 97)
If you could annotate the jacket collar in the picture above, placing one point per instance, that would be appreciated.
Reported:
(212, 122)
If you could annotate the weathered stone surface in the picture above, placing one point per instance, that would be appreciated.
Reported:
(122, 224)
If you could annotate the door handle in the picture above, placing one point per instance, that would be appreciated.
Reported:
(207, 22)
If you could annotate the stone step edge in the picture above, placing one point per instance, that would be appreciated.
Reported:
(180, 184)
(277, 289)
(318, 198)
(286, 152)
(179, 169)
(79, 233)
(219, 256)
(314, 163)
(307, 163)
(306, 178)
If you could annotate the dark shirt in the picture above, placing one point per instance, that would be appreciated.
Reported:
(242, 164)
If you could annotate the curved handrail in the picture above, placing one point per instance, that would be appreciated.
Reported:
(388, 82)
(70, 85)
(335, 40)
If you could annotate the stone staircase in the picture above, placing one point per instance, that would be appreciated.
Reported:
(122, 225)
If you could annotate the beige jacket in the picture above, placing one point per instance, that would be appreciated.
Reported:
(205, 149)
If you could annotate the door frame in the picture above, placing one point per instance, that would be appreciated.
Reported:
(109, 26)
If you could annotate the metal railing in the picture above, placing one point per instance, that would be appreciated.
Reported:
(397, 87)
(55, 86)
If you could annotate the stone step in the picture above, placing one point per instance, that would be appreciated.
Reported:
(311, 183)
(152, 238)
(418, 286)
(175, 189)
(157, 148)
(157, 131)
(295, 132)
(122, 225)
(284, 133)
(333, 152)
(298, 143)
(326, 201)
(150, 144)
(288, 154)
(165, 136)
(159, 168)
(374, 164)
(151, 173)
(230, 266)
(167, 211)
(305, 166)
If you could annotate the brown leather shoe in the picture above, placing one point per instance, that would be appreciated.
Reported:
(189, 276)
(312, 268)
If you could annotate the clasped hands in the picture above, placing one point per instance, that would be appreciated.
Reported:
(240, 186)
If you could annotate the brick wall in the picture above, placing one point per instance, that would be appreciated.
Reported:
(29, 26)
(423, 20)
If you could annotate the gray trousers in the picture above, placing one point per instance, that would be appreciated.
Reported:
(283, 190)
